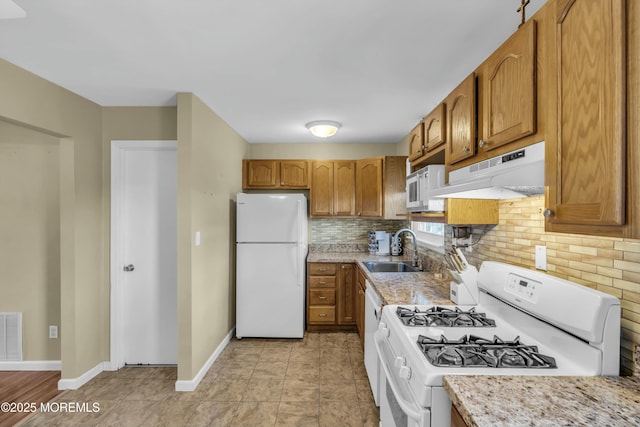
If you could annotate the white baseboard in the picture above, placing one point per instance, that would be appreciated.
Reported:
(190, 385)
(31, 365)
(76, 383)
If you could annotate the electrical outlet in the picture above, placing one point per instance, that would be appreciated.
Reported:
(541, 257)
(53, 331)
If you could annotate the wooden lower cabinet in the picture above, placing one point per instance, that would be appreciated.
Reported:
(456, 418)
(331, 295)
(346, 294)
(360, 303)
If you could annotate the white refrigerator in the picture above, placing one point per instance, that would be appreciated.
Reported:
(271, 252)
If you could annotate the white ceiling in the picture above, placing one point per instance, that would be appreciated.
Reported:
(266, 67)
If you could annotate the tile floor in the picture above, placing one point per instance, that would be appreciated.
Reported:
(319, 380)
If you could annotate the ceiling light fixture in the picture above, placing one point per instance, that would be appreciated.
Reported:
(323, 128)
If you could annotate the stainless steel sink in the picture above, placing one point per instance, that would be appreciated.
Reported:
(390, 267)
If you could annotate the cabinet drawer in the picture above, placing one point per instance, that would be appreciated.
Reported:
(322, 297)
(322, 282)
(322, 269)
(322, 314)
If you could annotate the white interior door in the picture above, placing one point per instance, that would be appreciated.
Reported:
(148, 285)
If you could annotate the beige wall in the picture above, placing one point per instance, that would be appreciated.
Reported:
(31, 101)
(209, 176)
(403, 146)
(30, 235)
(324, 151)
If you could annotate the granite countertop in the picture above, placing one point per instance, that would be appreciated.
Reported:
(545, 401)
(394, 288)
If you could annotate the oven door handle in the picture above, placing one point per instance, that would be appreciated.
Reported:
(409, 408)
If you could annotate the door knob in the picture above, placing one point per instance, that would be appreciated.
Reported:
(129, 267)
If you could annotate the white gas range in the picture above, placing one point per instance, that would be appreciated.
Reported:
(525, 323)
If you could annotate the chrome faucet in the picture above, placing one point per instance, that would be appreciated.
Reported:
(415, 260)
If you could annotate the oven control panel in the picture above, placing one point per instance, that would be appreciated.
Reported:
(523, 287)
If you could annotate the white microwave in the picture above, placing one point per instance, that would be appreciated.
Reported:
(419, 186)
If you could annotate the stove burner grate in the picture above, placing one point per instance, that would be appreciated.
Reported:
(471, 351)
(442, 316)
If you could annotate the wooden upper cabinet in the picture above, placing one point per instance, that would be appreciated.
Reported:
(333, 188)
(261, 173)
(434, 128)
(270, 174)
(428, 135)
(344, 188)
(294, 173)
(509, 90)
(369, 190)
(416, 143)
(461, 121)
(321, 188)
(587, 186)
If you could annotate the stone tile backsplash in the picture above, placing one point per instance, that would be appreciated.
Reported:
(350, 230)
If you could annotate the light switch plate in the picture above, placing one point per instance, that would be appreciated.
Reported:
(53, 331)
(541, 257)
(197, 239)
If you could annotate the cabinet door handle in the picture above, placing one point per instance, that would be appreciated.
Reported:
(482, 143)
(322, 269)
(465, 150)
(322, 297)
(322, 282)
(547, 213)
(322, 314)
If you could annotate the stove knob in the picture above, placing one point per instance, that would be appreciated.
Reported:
(405, 372)
(400, 362)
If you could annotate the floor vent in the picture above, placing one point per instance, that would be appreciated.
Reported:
(11, 336)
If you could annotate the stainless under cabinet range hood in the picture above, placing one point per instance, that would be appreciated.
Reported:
(516, 174)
